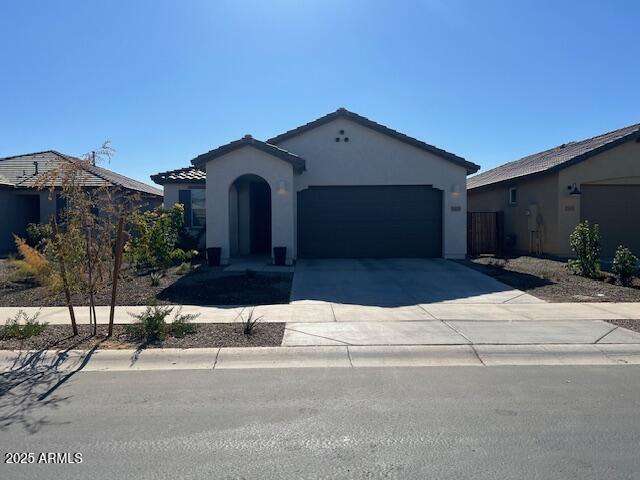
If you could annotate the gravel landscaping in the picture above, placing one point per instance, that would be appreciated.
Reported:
(202, 286)
(549, 279)
(59, 337)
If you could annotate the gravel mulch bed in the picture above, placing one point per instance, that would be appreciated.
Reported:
(628, 324)
(202, 286)
(58, 337)
(549, 279)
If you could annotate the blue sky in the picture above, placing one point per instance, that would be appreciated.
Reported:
(166, 80)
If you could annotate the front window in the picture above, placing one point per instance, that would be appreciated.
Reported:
(513, 196)
(198, 212)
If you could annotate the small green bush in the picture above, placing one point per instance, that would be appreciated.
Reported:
(181, 326)
(152, 326)
(184, 268)
(187, 241)
(585, 242)
(180, 256)
(38, 234)
(154, 236)
(23, 326)
(624, 265)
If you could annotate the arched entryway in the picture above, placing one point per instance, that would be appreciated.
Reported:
(250, 216)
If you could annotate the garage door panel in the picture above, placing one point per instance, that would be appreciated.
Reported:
(372, 221)
(614, 208)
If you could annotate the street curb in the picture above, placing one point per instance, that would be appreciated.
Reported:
(318, 357)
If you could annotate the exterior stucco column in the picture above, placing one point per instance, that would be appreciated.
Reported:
(217, 215)
(223, 171)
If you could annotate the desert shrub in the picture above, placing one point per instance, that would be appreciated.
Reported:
(181, 324)
(38, 234)
(585, 242)
(23, 326)
(151, 324)
(249, 322)
(33, 265)
(155, 278)
(180, 256)
(624, 265)
(153, 237)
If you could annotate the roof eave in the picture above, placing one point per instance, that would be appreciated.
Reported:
(577, 159)
(296, 162)
(165, 181)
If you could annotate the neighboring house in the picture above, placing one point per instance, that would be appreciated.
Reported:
(545, 195)
(22, 203)
(340, 186)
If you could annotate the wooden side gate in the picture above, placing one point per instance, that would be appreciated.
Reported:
(485, 232)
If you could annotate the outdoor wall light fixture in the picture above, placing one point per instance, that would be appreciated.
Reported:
(574, 190)
(455, 189)
(282, 187)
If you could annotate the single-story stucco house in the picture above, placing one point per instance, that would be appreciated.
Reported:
(339, 186)
(545, 195)
(21, 202)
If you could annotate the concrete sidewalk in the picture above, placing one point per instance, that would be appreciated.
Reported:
(68, 362)
(436, 332)
(334, 312)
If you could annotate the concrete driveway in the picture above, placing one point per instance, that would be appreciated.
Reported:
(397, 282)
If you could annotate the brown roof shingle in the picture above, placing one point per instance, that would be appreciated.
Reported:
(555, 158)
(20, 171)
(181, 175)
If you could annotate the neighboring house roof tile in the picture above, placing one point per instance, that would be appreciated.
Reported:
(20, 170)
(297, 162)
(555, 158)
(181, 175)
(359, 119)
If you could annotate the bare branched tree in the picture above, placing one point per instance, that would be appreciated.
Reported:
(90, 231)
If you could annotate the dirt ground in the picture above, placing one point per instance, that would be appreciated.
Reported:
(202, 286)
(549, 279)
(59, 337)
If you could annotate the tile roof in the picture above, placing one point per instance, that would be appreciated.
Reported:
(354, 117)
(20, 171)
(555, 158)
(297, 162)
(4, 181)
(181, 175)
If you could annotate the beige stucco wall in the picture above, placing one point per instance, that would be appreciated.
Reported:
(618, 166)
(541, 191)
(171, 195)
(372, 158)
(560, 210)
(224, 170)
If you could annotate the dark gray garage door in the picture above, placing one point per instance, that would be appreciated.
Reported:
(370, 222)
(615, 209)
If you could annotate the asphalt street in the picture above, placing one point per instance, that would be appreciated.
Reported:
(460, 422)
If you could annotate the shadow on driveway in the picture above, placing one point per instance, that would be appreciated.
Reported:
(397, 282)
